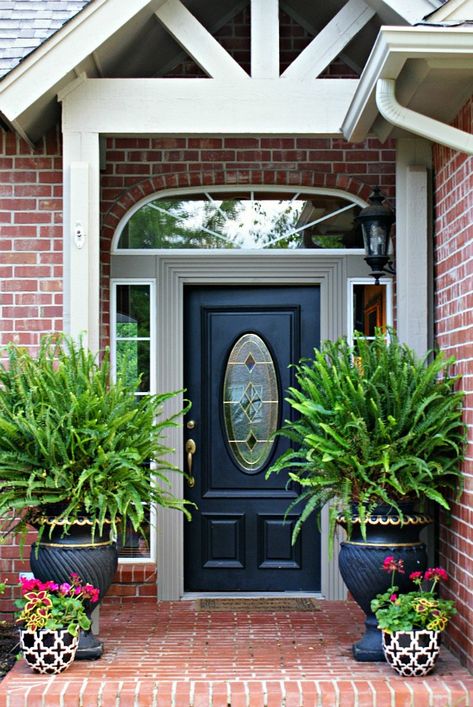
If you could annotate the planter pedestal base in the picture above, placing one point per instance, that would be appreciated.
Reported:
(90, 648)
(369, 649)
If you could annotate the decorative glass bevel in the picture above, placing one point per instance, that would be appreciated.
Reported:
(250, 219)
(250, 402)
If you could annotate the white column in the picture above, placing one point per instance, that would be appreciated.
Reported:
(413, 235)
(414, 257)
(81, 236)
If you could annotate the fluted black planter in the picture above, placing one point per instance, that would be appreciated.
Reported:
(94, 558)
(361, 561)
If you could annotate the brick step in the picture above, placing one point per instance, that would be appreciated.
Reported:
(171, 654)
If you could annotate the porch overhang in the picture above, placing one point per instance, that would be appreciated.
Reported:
(432, 71)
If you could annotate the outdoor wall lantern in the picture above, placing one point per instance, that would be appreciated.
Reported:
(376, 221)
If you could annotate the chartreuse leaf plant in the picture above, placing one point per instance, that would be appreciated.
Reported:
(76, 442)
(374, 424)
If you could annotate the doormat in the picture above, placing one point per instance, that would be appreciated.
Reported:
(258, 604)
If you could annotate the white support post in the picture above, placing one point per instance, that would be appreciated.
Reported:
(265, 39)
(412, 243)
(81, 237)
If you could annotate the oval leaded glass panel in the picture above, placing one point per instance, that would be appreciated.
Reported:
(250, 402)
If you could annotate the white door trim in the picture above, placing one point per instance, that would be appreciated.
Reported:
(174, 271)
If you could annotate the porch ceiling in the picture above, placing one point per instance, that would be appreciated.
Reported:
(109, 39)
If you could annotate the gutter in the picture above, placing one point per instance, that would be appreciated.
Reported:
(417, 123)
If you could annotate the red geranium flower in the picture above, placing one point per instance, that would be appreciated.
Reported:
(415, 576)
(436, 573)
(392, 565)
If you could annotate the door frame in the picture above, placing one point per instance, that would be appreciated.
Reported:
(174, 271)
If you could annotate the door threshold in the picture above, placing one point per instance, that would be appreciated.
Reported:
(191, 596)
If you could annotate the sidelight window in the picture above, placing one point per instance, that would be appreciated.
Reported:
(132, 321)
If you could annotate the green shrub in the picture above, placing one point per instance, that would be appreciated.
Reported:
(375, 425)
(75, 442)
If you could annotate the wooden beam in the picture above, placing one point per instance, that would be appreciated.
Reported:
(330, 41)
(209, 106)
(265, 39)
(198, 42)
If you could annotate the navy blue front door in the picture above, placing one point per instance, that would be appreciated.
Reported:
(239, 345)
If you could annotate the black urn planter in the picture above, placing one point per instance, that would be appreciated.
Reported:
(93, 557)
(361, 561)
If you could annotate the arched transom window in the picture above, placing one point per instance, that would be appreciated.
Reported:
(243, 219)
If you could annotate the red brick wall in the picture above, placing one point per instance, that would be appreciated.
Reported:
(30, 238)
(454, 333)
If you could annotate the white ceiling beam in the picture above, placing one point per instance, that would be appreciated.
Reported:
(330, 41)
(198, 42)
(265, 39)
(208, 106)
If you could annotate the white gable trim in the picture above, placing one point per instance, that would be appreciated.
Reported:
(58, 56)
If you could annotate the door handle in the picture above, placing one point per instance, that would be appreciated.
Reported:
(190, 451)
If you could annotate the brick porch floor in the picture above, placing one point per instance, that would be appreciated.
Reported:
(170, 655)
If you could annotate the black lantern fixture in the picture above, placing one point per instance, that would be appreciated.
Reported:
(376, 221)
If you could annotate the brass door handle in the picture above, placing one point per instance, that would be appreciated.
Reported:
(190, 450)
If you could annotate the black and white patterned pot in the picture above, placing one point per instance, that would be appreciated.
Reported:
(412, 653)
(48, 652)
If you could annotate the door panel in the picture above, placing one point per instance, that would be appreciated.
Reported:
(239, 345)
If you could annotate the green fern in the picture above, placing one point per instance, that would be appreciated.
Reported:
(376, 425)
(72, 439)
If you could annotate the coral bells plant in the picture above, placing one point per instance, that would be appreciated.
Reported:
(419, 609)
(48, 605)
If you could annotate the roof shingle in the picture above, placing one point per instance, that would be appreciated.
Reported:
(25, 24)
